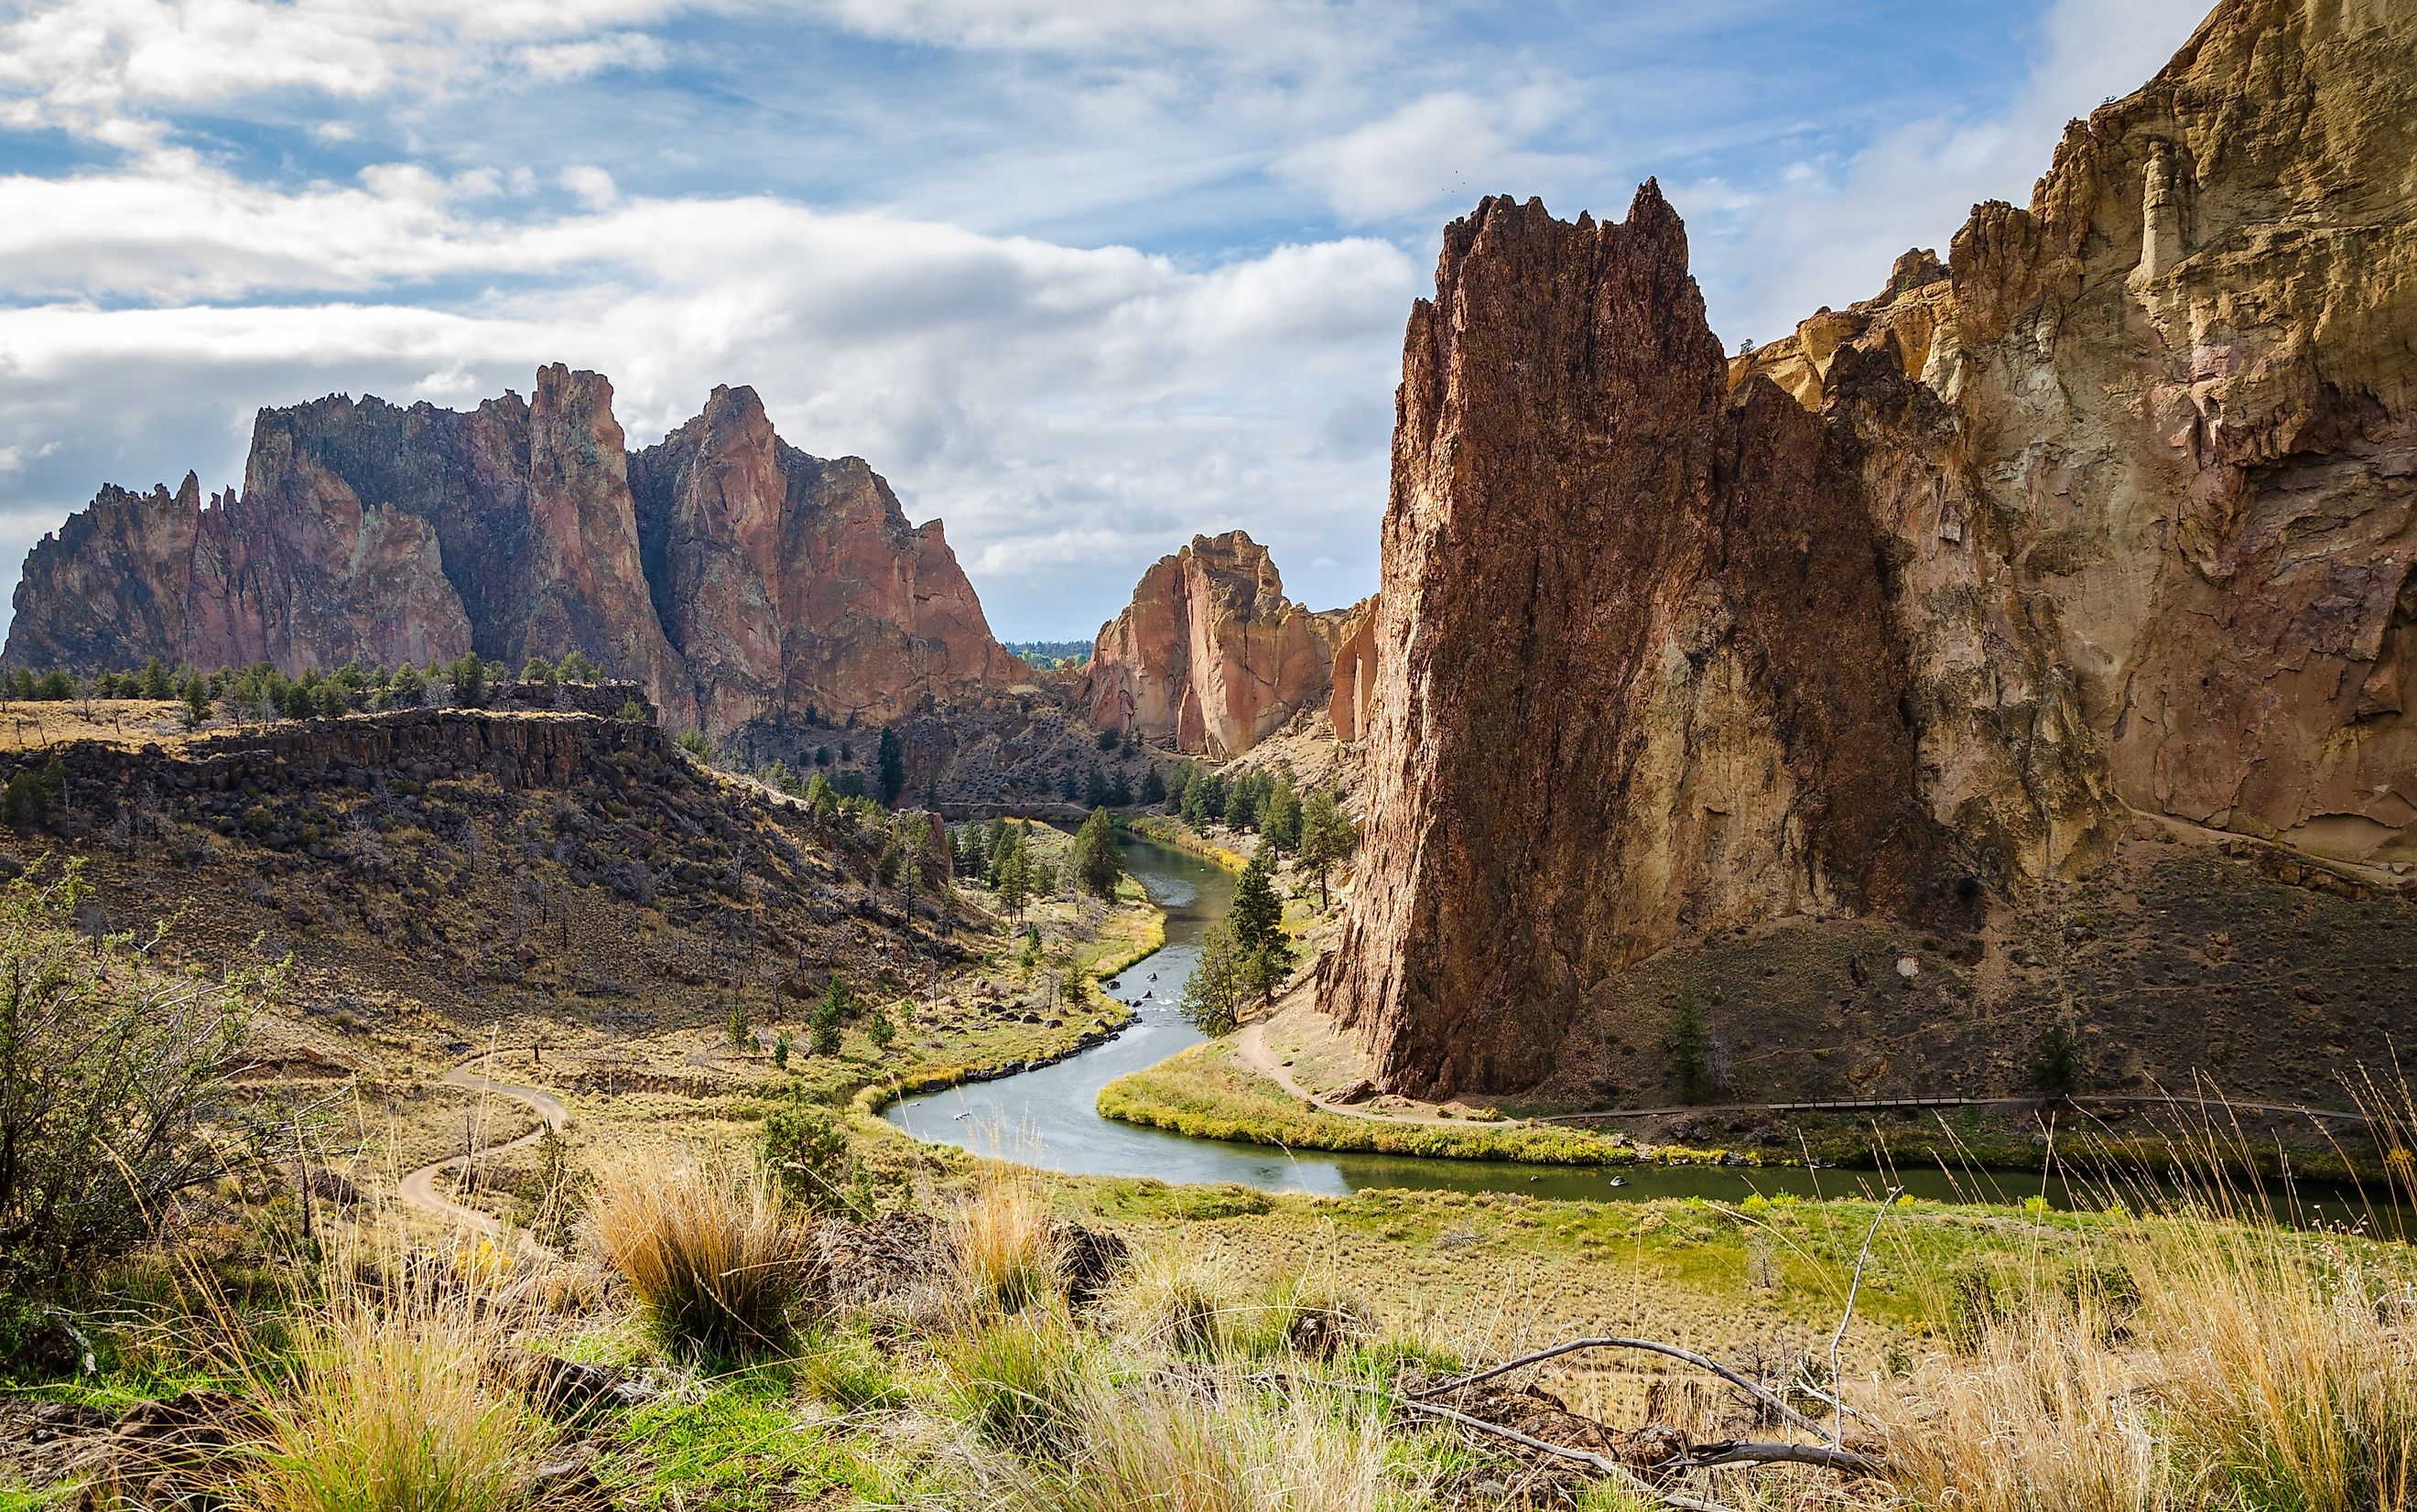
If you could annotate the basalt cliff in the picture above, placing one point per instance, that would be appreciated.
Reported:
(744, 583)
(2023, 643)
(1211, 656)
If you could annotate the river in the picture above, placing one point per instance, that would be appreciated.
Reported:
(1045, 1117)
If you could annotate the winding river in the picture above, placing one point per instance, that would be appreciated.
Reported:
(1045, 1117)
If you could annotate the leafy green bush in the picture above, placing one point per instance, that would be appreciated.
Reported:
(109, 1070)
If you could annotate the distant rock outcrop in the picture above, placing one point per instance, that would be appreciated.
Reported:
(2109, 518)
(1211, 655)
(740, 580)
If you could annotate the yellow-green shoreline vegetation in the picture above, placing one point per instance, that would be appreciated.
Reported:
(1206, 1092)
(1165, 829)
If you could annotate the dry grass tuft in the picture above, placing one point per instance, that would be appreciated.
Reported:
(390, 1404)
(1162, 1446)
(2235, 1367)
(715, 1263)
(1006, 1256)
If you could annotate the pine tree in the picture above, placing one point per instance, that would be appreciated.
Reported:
(1256, 916)
(890, 763)
(1011, 874)
(1153, 787)
(1691, 1049)
(1280, 822)
(1326, 836)
(1097, 864)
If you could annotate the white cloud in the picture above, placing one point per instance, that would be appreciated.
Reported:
(559, 62)
(1446, 148)
(1824, 231)
(592, 184)
(104, 66)
(1069, 411)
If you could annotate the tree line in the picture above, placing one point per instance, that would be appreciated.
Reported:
(261, 693)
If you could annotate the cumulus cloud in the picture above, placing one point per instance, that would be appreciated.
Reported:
(1824, 231)
(1070, 409)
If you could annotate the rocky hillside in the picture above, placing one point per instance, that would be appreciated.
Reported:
(1211, 656)
(744, 583)
(479, 865)
(2094, 538)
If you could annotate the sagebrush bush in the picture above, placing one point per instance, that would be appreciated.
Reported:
(715, 1263)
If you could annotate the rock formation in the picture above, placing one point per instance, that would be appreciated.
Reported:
(738, 580)
(1355, 669)
(2102, 528)
(1209, 656)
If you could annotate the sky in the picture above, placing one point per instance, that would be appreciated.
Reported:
(1081, 278)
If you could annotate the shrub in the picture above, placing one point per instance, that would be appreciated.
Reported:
(716, 1264)
(108, 1070)
(806, 1147)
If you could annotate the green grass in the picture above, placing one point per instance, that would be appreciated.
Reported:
(1206, 1093)
(735, 1444)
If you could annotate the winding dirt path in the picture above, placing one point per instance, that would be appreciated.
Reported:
(1251, 1048)
(418, 1189)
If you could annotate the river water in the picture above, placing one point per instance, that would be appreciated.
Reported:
(1045, 1117)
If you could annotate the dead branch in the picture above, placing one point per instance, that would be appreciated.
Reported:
(1838, 1419)
(1608, 1466)
(1748, 1451)
(1752, 1388)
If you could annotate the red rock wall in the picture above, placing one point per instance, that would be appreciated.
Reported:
(1211, 656)
(750, 583)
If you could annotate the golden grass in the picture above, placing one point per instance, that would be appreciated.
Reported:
(2230, 1366)
(1006, 1256)
(715, 1263)
(390, 1403)
(1164, 1446)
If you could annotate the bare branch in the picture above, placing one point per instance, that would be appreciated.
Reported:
(1649, 1346)
(1608, 1466)
(1838, 1340)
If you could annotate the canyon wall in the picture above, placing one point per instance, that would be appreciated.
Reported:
(1209, 657)
(2097, 534)
(738, 580)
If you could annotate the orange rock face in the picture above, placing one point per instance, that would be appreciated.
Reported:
(1211, 655)
(2100, 531)
(740, 581)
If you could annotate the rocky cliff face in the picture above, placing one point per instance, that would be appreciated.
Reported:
(740, 581)
(1211, 655)
(2102, 528)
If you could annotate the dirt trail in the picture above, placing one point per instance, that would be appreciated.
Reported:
(418, 1189)
(1251, 1048)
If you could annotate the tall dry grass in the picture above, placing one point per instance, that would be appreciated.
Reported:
(1163, 1446)
(389, 1402)
(2231, 1365)
(1006, 1254)
(717, 1265)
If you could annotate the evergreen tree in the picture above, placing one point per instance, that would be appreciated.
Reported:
(1256, 916)
(409, 689)
(197, 702)
(820, 800)
(1120, 793)
(469, 676)
(1153, 787)
(736, 1027)
(890, 764)
(1243, 803)
(879, 1029)
(1098, 865)
(1011, 874)
(1095, 787)
(892, 863)
(1279, 821)
(1215, 994)
(1691, 1049)
(1326, 836)
(155, 680)
(1067, 788)
(537, 669)
(2056, 1068)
